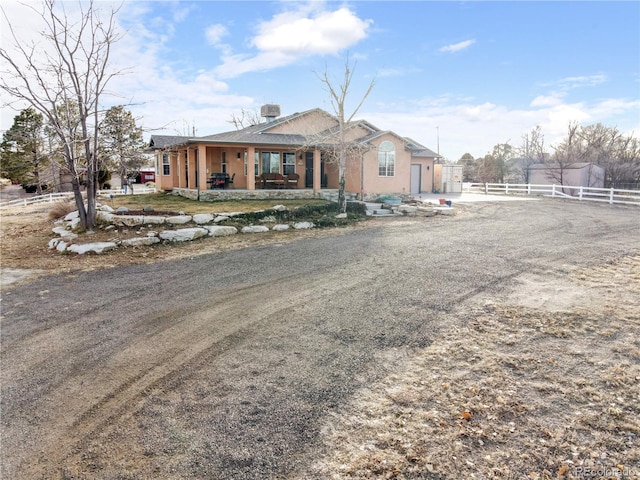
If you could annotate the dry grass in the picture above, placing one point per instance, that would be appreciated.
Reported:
(25, 233)
(60, 209)
(508, 392)
(175, 203)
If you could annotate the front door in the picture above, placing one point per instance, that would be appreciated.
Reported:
(308, 176)
(416, 176)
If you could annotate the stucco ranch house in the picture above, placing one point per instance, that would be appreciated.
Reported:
(294, 152)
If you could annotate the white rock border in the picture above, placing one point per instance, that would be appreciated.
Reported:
(206, 225)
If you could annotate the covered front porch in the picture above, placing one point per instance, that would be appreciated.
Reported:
(223, 167)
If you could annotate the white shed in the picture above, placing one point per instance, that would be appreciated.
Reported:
(573, 175)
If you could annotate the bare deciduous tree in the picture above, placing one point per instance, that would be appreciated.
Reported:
(67, 69)
(247, 118)
(531, 152)
(567, 153)
(340, 147)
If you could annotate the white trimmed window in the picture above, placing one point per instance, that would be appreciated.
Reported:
(386, 159)
(166, 164)
(270, 162)
(288, 163)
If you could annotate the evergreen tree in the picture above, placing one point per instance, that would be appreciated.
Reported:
(121, 142)
(21, 150)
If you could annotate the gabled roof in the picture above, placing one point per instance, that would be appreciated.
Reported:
(261, 134)
(249, 136)
(162, 141)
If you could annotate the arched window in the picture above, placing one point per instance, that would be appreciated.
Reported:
(386, 159)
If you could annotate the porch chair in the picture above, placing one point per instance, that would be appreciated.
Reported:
(291, 180)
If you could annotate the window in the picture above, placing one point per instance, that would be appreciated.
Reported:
(288, 163)
(386, 159)
(270, 162)
(166, 164)
(224, 162)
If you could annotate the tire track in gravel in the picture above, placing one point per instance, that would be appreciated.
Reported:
(194, 330)
(183, 346)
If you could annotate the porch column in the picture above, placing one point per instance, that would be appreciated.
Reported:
(191, 154)
(251, 173)
(317, 180)
(202, 167)
(182, 173)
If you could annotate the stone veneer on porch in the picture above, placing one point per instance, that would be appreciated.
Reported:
(241, 194)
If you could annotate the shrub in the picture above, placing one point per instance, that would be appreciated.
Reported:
(61, 209)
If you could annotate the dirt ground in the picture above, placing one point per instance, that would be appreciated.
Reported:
(541, 384)
(503, 343)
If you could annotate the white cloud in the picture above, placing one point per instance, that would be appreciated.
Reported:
(464, 125)
(552, 99)
(456, 47)
(581, 81)
(294, 34)
(215, 33)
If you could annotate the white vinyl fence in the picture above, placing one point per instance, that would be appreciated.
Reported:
(53, 197)
(606, 195)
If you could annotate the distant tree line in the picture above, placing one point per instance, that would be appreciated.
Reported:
(32, 154)
(607, 147)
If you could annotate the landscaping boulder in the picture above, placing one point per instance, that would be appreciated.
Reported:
(106, 217)
(202, 218)
(281, 227)
(178, 219)
(221, 231)
(407, 209)
(255, 229)
(70, 216)
(154, 220)
(303, 225)
(140, 241)
(97, 247)
(128, 220)
(183, 234)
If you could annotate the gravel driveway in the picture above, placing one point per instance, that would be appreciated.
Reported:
(224, 366)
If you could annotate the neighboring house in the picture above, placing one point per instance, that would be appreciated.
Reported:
(381, 162)
(573, 175)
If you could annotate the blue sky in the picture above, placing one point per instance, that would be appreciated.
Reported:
(461, 76)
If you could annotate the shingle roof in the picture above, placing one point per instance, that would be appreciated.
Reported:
(162, 141)
(259, 135)
(248, 136)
